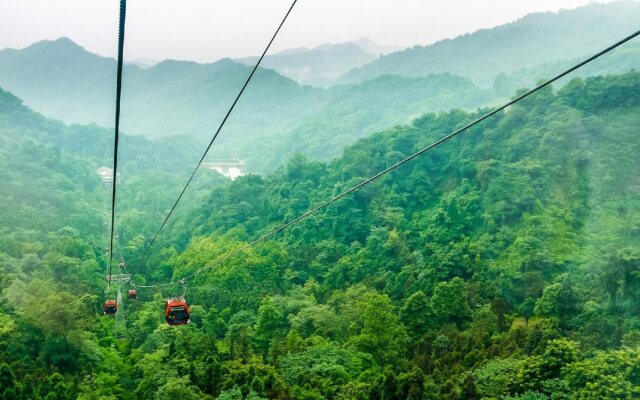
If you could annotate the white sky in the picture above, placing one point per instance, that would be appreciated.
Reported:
(207, 30)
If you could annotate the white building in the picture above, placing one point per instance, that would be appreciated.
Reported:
(229, 168)
(106, 174)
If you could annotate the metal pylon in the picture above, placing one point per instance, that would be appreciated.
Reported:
(120, 330)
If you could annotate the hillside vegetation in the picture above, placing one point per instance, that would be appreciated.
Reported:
(502, 265)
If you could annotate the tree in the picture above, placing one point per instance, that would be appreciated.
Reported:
(240, 334)
(411, 385)
(449, 301)
(376, 329)
(178, 388)
(415, 314)
(269, 325)
(55, 311)
(8, 384)
(548, 303)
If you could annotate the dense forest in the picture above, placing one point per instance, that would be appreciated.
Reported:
(502, 265)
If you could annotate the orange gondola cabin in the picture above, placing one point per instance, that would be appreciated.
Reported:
(110, 307)
(176, 311)
(132, 294)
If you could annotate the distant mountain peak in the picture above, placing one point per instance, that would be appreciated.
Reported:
(58, 49)
(60, 43)
(64, 39)
(372, 47)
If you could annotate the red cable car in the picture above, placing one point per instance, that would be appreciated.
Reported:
(132, 294)
(176, 311)
(110, 307)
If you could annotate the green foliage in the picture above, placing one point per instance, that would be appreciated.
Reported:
(449, 301)
(416, 314)
(502, 266)
(178, 388)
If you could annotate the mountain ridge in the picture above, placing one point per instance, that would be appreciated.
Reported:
(183, 97)
(519, 44)
(177, 97)
(318, 66)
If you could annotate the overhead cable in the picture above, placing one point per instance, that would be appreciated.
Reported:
(367, 181)
(121, 24)
(217, 132)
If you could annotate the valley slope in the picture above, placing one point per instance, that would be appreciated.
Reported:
(503, 264)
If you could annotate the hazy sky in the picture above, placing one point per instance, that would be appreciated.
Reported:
(206, 30)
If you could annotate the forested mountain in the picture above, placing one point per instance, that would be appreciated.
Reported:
(49, 179)
(502, 265)
(356, 111)
(533, 40)
(64, 81)
(61, 79)
(623, 59)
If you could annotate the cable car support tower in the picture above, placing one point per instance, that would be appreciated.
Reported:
(120, 328)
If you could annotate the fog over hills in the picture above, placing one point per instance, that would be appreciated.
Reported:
(281, 113)
(324, 64)
(62, 80)
(530, 41)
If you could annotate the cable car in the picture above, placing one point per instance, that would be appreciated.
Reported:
(132, 294)
(176, 311)
(110, 307)
(121, 264)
